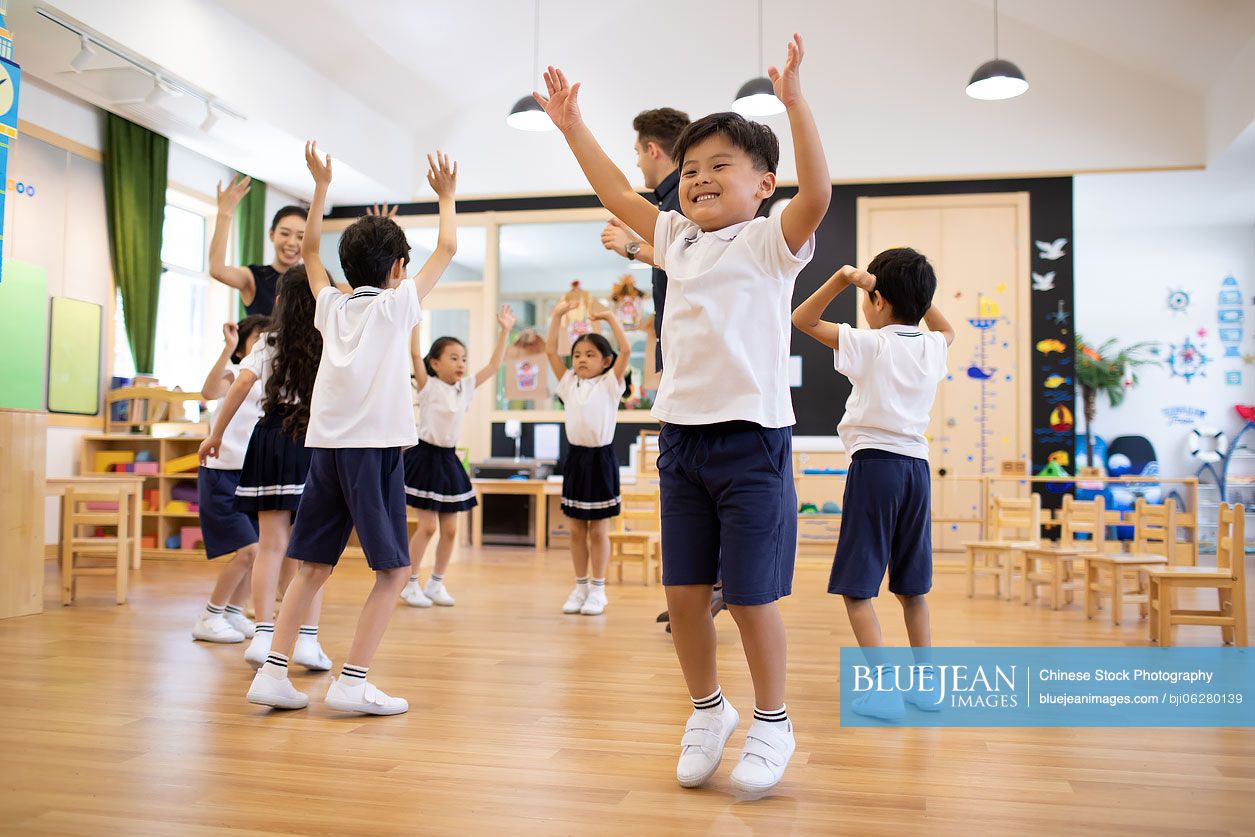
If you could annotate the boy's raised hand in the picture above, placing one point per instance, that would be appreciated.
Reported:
(230, 197)
(442, 174)
(321, 170)
(788, 82)
(505, 317)
(561, 104)
(860, 279)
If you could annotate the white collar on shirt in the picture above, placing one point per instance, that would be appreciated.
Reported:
(904, 330)
(726, 233)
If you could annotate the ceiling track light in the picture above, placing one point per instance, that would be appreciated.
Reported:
(85, 55)
(527, 115)
(211, 118)
(996, 79)
(160, 93)
(757, 97)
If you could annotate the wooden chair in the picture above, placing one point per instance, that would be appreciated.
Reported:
(647, 454)
(1060, 567)
(638, 537)
(1106, 574)
(1228, 578)
(88, 507)
(1000, 555)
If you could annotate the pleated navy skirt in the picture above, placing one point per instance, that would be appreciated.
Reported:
(590, 483)
(275, 466)
(436, 481)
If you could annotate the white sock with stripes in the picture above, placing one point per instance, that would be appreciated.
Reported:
(712, 703)
(276, 666)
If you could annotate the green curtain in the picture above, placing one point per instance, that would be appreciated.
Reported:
(135, 203)
(250, 219)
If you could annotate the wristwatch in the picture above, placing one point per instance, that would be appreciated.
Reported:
(632, 248)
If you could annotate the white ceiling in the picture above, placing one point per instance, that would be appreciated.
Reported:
(1116, 84)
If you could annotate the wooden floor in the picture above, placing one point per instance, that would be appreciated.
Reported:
(525, 721)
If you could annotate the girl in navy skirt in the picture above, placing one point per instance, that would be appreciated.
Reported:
(285, 362)
(590, 390)
(225, 529)
(435, 481)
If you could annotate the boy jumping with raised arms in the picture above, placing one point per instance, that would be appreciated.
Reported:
(728, 502)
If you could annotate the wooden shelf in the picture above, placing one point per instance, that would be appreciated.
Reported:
(175, 554)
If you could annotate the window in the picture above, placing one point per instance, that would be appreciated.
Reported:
(183, 239)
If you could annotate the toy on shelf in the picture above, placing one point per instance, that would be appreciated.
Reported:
(179, 464)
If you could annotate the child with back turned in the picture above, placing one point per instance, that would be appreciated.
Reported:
(894, 368)
(725, 451)
(360, 421)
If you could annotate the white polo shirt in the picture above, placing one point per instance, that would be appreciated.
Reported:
(236, 434)
(895, 371)
(592, 405)
(725, 338)
(442, 410)
(261, 362)
(362, 394)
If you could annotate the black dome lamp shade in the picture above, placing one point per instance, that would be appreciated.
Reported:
(999, 78)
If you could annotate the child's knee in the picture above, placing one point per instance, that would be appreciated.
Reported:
(315, 571)
(394, 577)
(910, 601)
(427, 525)
(245, 557)
(448, 526)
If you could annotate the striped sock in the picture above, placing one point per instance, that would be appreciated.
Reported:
(414, 579)
(265, 627)
(773, 716)
(276, 666)
(214, 609)
(235, 610)
(713, 702)
(582, 581)
(310, 631)
(352, 675)
(598, 582)
(437, 579)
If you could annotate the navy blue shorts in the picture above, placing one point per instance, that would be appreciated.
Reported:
(223, 528)
(729, 508)
(885, 522)
(347, 487)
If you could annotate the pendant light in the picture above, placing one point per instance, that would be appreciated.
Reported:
(996, 79)
(527, 115)
(757, 97)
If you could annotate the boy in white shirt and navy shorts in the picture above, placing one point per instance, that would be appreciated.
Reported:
(894, 368)
(360, 422)
(725, 453)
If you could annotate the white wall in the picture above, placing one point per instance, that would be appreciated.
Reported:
(1123, 278)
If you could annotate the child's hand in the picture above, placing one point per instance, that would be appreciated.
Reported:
(382, 211)
(564, 306)
(442, 175)
(230, 197)
(209, 448)
(602, 316)
(858, 278)
(788, 82)
(319, 169)
(505, 317)
(560, 104)
(231, 335)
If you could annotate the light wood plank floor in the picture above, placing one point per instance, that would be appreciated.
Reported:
(526, 721)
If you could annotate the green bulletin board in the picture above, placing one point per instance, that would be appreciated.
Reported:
(23, 335)
(74, 357)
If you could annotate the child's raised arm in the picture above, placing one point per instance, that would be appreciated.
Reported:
(443, 177)
(801, 217)
(936, 321)
(416, 359)
(218, 379)
(551, 344)
(807, 315)
(505, 317)
(230, 406)
(612, 187)
(321, 172)
(620, 337)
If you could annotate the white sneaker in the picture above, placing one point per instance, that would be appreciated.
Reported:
(308, 653)
(364, 698)
(884, 706)
(929, 698)
(259, 649)
(595, 604)
(701, 748)
(768, 747)
(241, 623)
(438, 595)
(280, 694)
(414, 596)
(576, 600)
(213, 627)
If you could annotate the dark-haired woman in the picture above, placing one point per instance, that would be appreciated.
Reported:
(258, 284)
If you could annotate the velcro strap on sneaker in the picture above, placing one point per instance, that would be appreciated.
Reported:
(763, 749)
(700, 737)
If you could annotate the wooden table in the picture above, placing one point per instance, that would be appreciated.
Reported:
(131, 484)
(529, 488)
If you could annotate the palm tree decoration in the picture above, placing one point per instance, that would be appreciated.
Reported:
(1108, 371)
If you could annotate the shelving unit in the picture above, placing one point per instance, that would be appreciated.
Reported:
(1233, 482)
(155, 523)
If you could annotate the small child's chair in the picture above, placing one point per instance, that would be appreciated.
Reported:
(1000, 554)
(638, 537)
(1228, 578)
(1108, 574)
(1059, 567)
